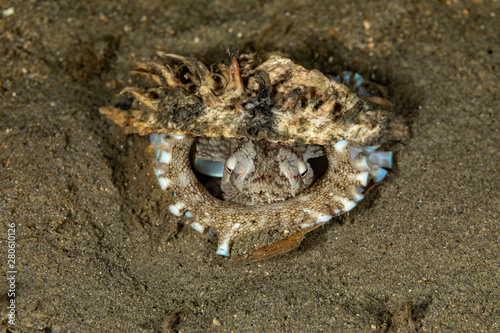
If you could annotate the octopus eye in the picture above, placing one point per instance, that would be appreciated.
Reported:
(230, 164)
(302, 169)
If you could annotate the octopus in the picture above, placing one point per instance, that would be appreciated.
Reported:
(258, 142)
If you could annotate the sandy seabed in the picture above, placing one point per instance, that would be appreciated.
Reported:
(96, 249)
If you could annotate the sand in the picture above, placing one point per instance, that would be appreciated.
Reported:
(97, 250)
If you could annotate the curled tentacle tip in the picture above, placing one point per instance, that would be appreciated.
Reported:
(177, 209)
(382, 158)
(164, 182)
(198, 227)
(320, 219)
(348, 204)
(165, 157)
(358, 197)
(362, 164)
(323, 218)
(223, 249)
(363, 178)
(379, 175)
(341, 145)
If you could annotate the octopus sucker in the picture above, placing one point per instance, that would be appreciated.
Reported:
(259, 142)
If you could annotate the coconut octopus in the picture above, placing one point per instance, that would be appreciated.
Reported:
(282, 147)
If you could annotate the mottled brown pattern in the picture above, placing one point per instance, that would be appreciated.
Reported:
(258, 172)
(265, 96)
(331, 193)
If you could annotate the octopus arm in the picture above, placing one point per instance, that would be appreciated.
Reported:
(335, 192)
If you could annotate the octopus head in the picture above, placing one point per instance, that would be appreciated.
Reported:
(259, 172)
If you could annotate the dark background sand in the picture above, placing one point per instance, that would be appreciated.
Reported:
(97, 249)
